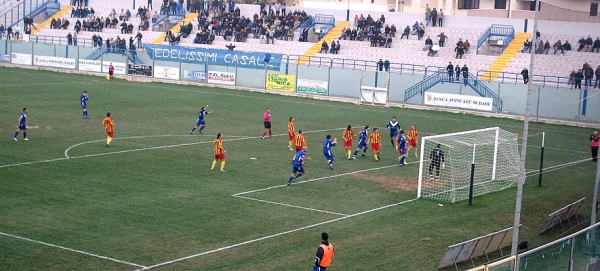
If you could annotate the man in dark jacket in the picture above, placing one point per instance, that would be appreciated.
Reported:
(450, 70)
(525, 74)
(596, 45)
(578, 77)
(433, 15)
(597, 73)
(589, 75)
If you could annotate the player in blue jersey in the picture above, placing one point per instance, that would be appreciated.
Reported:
(327, 144)
(200, 121)
(393, 125)
(22, 125)
(362, 142)
(83, 99)
(402, 148)
(298, 164)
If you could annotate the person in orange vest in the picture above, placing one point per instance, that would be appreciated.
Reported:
(595, 139)
(324, 254)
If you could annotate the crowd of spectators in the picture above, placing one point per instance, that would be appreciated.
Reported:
(585, 74)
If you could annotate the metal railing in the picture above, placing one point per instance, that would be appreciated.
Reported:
(516, 78)
(422, 86)
(17, 13)
(507, 32)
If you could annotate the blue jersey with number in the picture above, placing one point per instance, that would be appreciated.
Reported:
(22, 120)
(362, 140)
(394, 126)
(83, 100)
(297, 162)
(202, 114)
(327, 144)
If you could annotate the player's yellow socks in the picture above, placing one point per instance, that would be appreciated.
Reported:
(290, 144)
(376, 157)
(349, 153)
(222, 165)
(108, 140)
(213, 164)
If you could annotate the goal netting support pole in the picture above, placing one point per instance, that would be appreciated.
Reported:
(454, 177)
(542, 159)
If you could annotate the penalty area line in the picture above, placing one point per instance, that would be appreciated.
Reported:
(290, 205)
(276, 235)
(72, 250)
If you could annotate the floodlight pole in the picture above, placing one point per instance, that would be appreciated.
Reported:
(521, 182)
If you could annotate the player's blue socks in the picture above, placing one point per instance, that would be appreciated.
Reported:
(290, 180)
(201, 128)
(24, 134)
(298, 175)
(393, 145)
(193, 129)
(355, 153)
(16, 134)
(402, 160)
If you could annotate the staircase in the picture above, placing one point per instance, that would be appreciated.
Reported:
(502, 61)
(315, 48)
(47, 22)
(442, 77)
(103, 51)
(175, 29)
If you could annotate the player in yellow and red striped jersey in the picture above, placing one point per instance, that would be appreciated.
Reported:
(348, 135)
(413, 136)
(109, 127)
(219, 153)
(299, 141)
(291, 133)
(375, 139)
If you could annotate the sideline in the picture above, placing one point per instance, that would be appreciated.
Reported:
(72, 250)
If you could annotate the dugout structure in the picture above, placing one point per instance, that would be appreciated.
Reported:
(475, 163)
(374, 88)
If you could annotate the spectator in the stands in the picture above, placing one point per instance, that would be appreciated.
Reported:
(428, 43)
(427, 15)
(9, 33)
(571, 78)
(578, 77)
(526, 46)
(230, 47)
(589, 42)
(129, 28)
(337, 47)
(415, 27)
(442, 37)
(332, 47)
(566, 46)
(380, 65)
(433, 50)
(388, 42)
(546, 47)
(540, 47)
(127, 15)
(1, 31)
(420, 33)
(558, 46)
(465, 73)
(457, 72)
(596, 45)
(588, 74)
(406, 32)
(69, 39)
(597, 73)
(324, 47)
(460, 51)
(123, 27)
(466, 46)
(144, 25)
(17, 30)
(386, 65)
(393, 31)
(139, 39)
(434, 16)
(77, 27)
(440, 18)
(581, 44)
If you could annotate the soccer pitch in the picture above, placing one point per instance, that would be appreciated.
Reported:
(151, 202)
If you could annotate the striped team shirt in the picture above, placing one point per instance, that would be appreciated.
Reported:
(375, 138)
(413, 134)
(299, 140)
(348, 134)
(218, 146)
(291, 127)
(109, 124)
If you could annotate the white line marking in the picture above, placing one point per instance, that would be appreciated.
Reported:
(277, 234)
(318, 179)
(72, 250)
(149, 148)
(293, 206)
(135, 137)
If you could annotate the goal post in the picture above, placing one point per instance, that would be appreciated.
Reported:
(445, 172)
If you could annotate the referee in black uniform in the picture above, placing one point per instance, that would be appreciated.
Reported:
(435, 157)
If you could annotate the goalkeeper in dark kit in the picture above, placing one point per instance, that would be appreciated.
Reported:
(436, 158)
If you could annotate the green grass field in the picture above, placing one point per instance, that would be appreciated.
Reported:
(150, 199)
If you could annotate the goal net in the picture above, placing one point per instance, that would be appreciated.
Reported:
(446, 162)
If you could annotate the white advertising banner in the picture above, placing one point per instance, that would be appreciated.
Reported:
(166, 72)
(56, 62)
(119, 67)
(312, 86)
(457, 100)
(223, 78)
(17, 58)
(90, 65)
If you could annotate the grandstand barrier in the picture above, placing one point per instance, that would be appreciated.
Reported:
(319, 78)
(477, 247)
(578, 251)
(504, 34)
(323, 24)
(24, 8)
